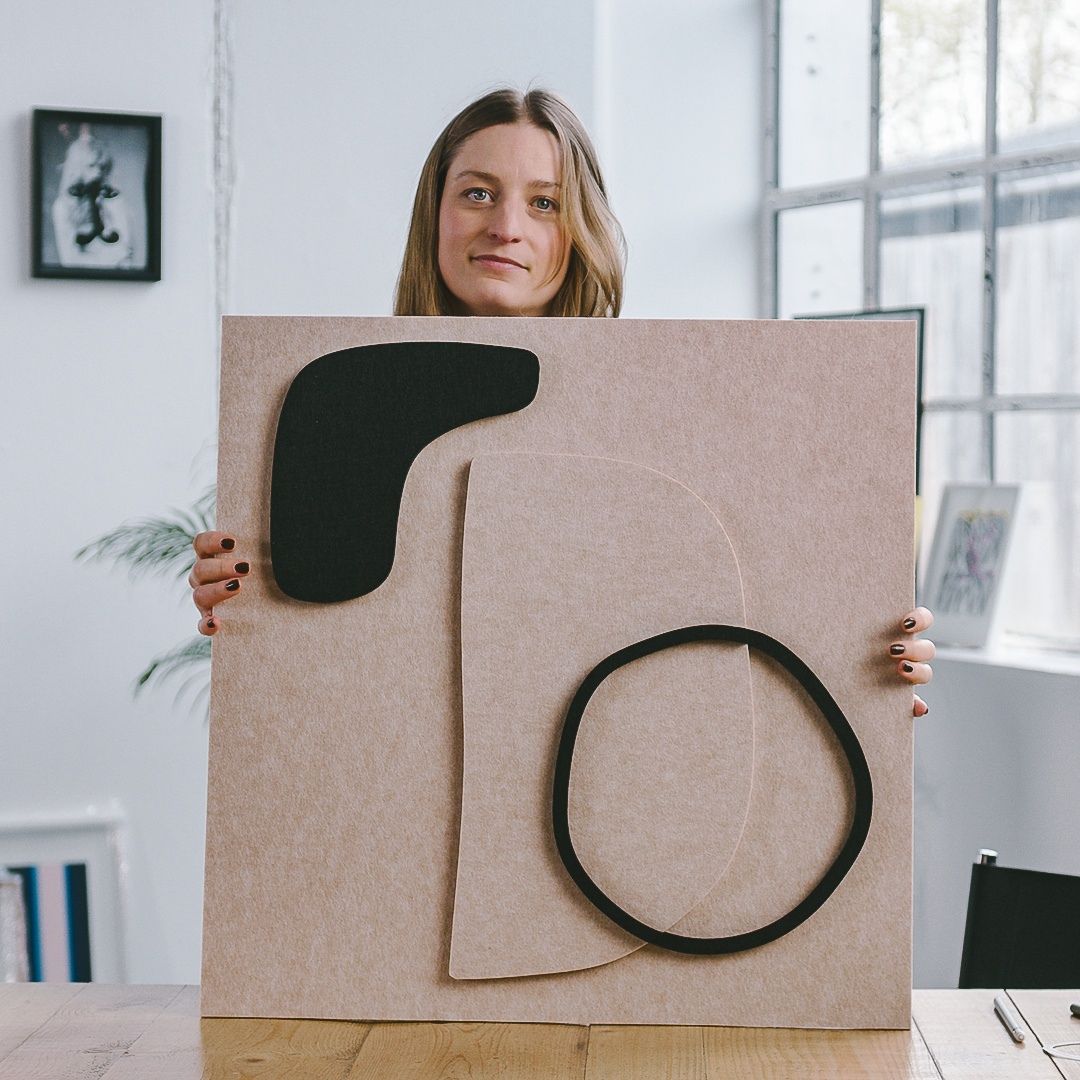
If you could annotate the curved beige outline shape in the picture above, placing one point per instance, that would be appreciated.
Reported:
(546, 925)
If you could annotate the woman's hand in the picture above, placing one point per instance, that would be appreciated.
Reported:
(215, 577)
(911, 654)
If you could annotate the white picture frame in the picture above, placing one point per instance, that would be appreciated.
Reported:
(968, 560)
(94, 838)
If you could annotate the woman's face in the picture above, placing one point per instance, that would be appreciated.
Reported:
(502, 246)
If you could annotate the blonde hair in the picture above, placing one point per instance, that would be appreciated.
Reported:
(593, 285)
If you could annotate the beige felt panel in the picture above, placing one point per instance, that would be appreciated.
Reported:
(565, 560)
(799, 815)
(336, 736)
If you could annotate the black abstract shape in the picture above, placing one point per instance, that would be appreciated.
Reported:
(351, 425)
(860, 772)
(91, 223)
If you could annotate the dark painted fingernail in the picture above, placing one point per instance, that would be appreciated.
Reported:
(233, 586)
(210, 624)
(241, 568)
(896, 650)
(909, 624)
(228, 543)
(908, 668)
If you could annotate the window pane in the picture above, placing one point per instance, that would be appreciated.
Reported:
(933, 79)
(1038, 279)
(820, 256)
(1041, 450)
(1038, 73)
(952, 453)
(932, 257)
(824, 91)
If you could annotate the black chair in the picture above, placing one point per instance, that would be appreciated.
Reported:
(1023, 929)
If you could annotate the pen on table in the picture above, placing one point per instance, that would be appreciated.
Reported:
(1008, 1018)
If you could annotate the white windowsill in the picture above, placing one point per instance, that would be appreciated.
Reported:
(1051, 661)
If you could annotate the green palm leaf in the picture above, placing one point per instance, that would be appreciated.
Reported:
(162, 546)
(155, 545)
(189, 658)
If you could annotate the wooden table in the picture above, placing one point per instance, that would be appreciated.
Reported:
(62, 1032)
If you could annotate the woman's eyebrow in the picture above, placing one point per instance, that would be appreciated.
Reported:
(488, 178)
(491, 178)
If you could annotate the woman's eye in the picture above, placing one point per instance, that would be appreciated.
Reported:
(477, 195)
(544, 203)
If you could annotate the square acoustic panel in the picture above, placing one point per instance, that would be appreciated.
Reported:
(557, 691)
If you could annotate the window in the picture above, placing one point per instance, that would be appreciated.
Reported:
(927, 153)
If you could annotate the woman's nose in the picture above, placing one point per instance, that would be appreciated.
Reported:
(504, 224)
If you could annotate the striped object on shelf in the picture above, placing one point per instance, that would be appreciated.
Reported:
(57, 921)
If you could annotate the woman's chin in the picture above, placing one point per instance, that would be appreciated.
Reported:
(501, 306)
(492, 296)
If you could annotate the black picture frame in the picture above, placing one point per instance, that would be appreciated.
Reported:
(918, 316)
(96, 195)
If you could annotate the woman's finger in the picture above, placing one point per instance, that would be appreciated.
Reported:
(207, 571)
(913, 649)
(920, 708)
(209, 544)
(915, 622)
(208, 625)
(207, 596)
(920, 674)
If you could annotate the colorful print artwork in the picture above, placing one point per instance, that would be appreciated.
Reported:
(976, 547)
(963, 584)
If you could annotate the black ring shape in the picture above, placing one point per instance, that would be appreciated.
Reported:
(860, 772)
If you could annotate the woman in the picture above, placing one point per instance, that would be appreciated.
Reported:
(510, 218)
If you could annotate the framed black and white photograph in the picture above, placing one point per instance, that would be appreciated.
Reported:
(967, 561)
(96, 207)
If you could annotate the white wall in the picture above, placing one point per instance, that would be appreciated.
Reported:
(679, 126)
(107, 400)
(108, 389)
(996, 766)
(328, 147)
(330, 133)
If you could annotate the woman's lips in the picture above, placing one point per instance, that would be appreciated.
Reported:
(497, 262)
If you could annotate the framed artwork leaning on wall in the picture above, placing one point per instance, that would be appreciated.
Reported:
(967, 560)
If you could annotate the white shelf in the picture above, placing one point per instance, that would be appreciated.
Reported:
(1051, 661)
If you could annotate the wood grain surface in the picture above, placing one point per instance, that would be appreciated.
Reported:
(646, 1053)
(90, 1031)
(70, 1032)
(817, 1055)
(24, 1007)
(1047, 1013)
(969, 1042)
(472, 1052)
